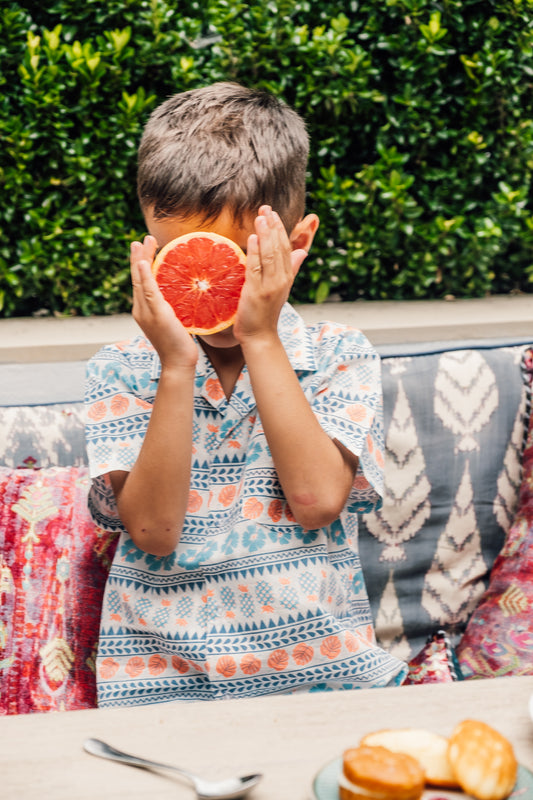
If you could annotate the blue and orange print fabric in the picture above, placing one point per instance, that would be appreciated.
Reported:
(249, 603)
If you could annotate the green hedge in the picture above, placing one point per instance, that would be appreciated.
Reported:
(421, 117)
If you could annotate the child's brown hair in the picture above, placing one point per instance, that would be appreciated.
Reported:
(223, 146)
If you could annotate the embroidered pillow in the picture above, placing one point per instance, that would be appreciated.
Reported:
(436, 662)
(454, 435)
(53, 566)
(499, 637)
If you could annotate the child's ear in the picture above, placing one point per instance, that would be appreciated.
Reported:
(303, 233)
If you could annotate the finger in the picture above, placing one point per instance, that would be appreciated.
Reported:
(143, 281)
(139, 270)
(144, 250)
(148, 284)
(281, 242)
(265, 235)
(136, 250)
(149, 247)
(253, 260)
(297, 259)
(277, 246)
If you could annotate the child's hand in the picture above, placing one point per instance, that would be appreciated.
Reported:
(271, 266)
(152, 312)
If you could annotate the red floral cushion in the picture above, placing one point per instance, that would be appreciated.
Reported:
(53, 566)
(499, 637)
(435, 663)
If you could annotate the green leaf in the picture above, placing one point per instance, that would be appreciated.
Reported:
(322, 292)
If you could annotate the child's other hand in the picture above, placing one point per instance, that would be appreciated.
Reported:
(153, 314)
(271, 267)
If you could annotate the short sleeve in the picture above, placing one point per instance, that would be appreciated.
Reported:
(349, 406)
(119, 394)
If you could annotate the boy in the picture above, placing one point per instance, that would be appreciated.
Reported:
(233, 464)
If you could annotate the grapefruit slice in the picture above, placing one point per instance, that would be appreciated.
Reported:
(201, 275)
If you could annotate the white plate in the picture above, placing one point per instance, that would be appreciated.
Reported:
(531, 706)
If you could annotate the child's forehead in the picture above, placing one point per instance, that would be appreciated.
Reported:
(168, 228)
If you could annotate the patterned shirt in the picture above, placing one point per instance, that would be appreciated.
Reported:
(249, 603)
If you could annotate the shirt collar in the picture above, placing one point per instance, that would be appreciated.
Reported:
(295, 337)
(296, 340)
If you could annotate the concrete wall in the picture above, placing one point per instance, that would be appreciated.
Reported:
(385, 323)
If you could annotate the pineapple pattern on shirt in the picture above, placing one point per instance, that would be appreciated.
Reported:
(249, 603)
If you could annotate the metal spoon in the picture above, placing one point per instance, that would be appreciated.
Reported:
(205, 790)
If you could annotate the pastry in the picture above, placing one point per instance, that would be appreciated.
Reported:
(375, 772)
(430, 749)
(482, 760)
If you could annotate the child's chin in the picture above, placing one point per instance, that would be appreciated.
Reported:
(222, 339)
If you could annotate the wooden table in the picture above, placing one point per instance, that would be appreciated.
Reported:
(288, 738)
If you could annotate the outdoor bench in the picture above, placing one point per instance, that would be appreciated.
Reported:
(457, 512)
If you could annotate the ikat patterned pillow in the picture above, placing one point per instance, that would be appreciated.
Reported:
(42, 436)
(499, 636)
(53, 566)
(455, 425)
